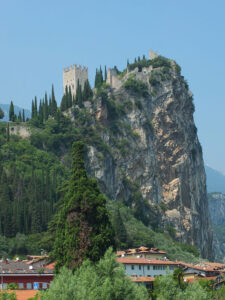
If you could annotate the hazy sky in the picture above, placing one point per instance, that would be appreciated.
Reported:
(39, 38)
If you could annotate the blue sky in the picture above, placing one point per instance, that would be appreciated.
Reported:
(39, 38)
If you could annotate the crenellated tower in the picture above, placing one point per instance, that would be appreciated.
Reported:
(71, 75)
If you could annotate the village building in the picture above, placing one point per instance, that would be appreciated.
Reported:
(143, 252)
(144, 267)
(25, 275)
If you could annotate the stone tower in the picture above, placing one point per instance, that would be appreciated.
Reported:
(153, 54)
(71, 75)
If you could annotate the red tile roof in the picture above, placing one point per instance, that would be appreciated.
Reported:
(23, 294)
(133, 260)
(142, 279)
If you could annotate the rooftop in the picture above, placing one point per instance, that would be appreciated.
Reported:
(147, 261)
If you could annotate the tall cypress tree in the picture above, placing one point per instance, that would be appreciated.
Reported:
(105, 74)
(54, 103)
(20, 117)
(23, 115)
(35, 107)
(87, 92)
(46, 112)
(32, 110)
(11, 112)
(83, 229)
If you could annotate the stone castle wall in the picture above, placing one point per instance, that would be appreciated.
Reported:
(71, 75)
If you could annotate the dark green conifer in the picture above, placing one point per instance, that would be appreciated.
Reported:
(11, 112)
(20, 117)
(32, 110)
(54, 103)
(120, 230)
(23, 115)
(1, 113)
(46, 108)
(35, 107)
(87, 92)
(105, 78)
(83, 229)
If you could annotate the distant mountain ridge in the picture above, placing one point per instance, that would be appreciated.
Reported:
(215, 181)
(17, 109)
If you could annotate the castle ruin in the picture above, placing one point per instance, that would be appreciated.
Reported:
(71, 75)
(153, 54)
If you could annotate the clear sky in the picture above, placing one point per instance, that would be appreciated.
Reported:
(39, 38)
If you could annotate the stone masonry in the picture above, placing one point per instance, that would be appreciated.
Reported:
(71, 75)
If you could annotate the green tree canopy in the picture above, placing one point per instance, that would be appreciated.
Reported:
(1, 113)
(103, 280)
(83, 229)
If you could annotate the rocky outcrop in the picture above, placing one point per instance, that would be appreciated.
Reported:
(217, 215)
(153, 161)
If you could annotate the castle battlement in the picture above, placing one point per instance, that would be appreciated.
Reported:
(71, 75)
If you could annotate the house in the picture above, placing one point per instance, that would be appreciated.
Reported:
(144, 252)
(203, 269)
(146, 281)
(146, 267)
(25, 275)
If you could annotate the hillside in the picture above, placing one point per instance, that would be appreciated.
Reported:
(142, 147)
(215, 181)
(217, 215)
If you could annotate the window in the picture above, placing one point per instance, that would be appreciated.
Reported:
(21, 285)
(29, 286)
(132, 267)
(44, 285)
(139, 267)
(148, 267)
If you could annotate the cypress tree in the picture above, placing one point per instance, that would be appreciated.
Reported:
(87, 92)
(105, 74)
(120, 230)
(46, 108)
(1, 113)
(32, 110)
(79, 95)
(54, 103)
(41, 112)
(70, 99)
(11, 112)
(20, 117)
(23, 115)
(35, 107)
(83, 229)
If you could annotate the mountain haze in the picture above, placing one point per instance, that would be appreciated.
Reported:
(17, 109)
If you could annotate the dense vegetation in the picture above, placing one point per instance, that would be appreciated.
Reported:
(83, 228)
(104, 280)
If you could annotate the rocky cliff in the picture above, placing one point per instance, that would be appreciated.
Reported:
(152, 159)
(217, 215)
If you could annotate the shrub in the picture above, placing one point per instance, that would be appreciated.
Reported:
(136, 86)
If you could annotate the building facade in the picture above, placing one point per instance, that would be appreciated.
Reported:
(143, 267)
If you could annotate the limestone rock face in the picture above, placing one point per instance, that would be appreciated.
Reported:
(217, 215)
(153, 149)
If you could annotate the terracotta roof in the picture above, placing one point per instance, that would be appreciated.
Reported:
(21, 267)
(51, 266)
(140, 250)
(142, 279)
(23, 294)
(132, 260)
(191, 280)
(200, 267)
